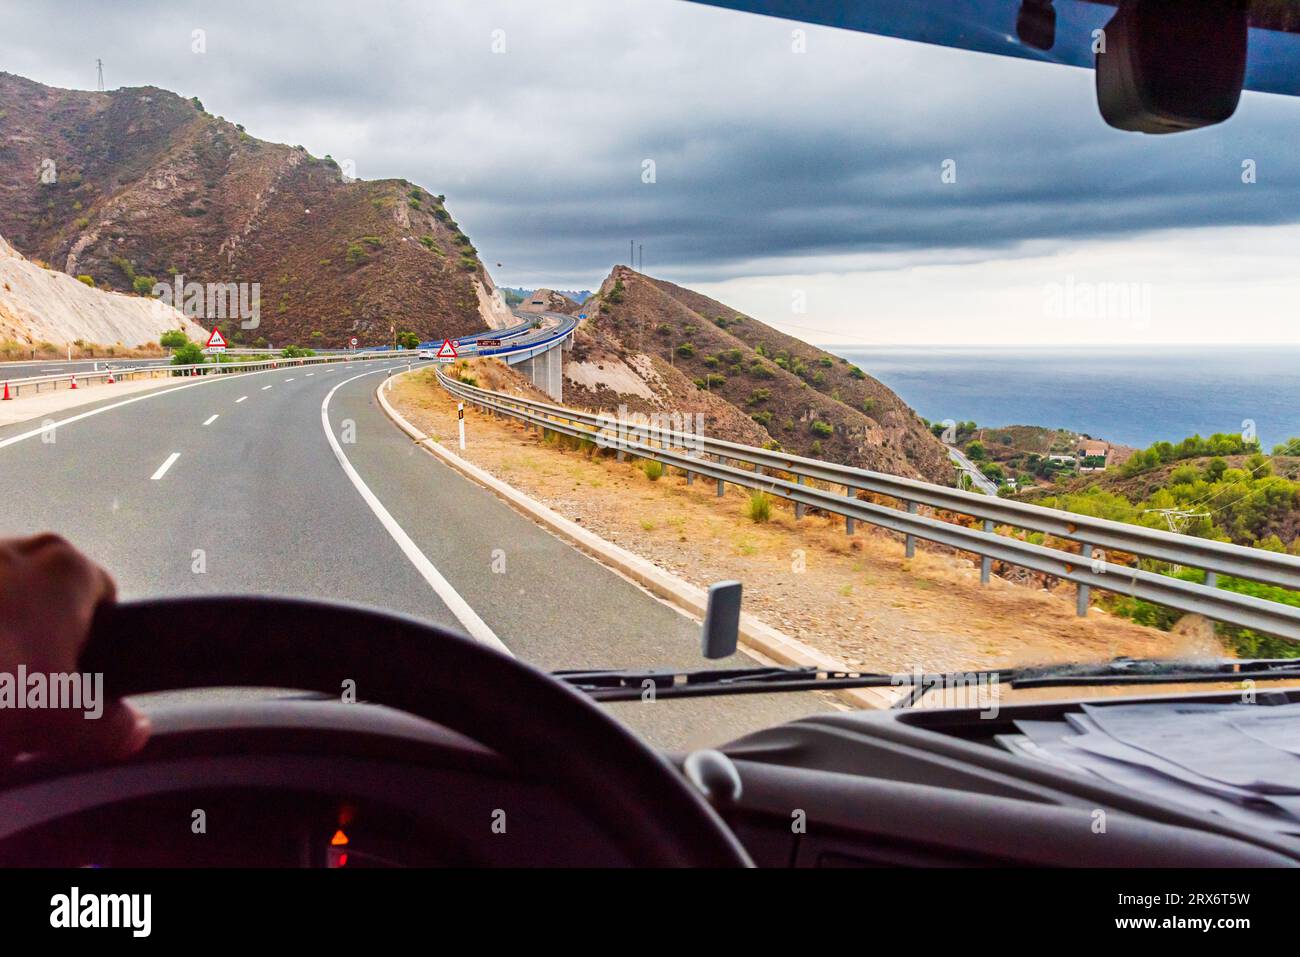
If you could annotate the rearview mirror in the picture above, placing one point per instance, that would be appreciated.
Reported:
(722, 620)
(1170, 65)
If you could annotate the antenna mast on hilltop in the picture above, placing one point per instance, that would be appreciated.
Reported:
(99, 65)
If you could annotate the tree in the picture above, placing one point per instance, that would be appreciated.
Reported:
(408, 340)
(976, 450)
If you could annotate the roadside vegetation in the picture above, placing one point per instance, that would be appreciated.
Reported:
(1222, 488)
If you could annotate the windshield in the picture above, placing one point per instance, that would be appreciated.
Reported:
(536, 320)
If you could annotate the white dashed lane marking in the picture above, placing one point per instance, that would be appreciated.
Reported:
(162, 469)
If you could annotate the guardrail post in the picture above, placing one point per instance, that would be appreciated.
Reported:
(986, 563)
(909, 540)
(798, 506)
(849, 524)
(1211, 579)
(1084, 592)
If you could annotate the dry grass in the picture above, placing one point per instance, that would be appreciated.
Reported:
(11, 349)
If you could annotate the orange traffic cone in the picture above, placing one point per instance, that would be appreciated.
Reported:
(74, 382)
(7, 395)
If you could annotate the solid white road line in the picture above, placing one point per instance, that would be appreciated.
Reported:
(476, 626)
(162, 469)
(210, 419)
(240, 399)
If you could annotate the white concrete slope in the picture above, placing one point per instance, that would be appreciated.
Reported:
(42, 305)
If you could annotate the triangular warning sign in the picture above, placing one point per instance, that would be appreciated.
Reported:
(447, 350)
(216, 340)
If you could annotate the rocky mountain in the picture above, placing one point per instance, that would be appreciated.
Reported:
(139, 185)
(41, 309)
(548, 300)
(653, 345)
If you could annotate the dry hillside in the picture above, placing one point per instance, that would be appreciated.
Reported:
(142, 183)
(649, 343)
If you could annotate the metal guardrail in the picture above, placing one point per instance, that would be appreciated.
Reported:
(34, 384)
(724, 461)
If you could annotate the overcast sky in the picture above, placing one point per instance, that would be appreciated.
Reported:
(804, 188)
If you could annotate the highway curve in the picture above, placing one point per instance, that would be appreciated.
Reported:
(232, 485)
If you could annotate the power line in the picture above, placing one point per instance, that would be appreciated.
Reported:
(1204, 499)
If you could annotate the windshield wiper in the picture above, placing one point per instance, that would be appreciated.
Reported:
(635, 684)
(632, 685)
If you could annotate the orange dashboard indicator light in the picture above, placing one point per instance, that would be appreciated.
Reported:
(338, 839)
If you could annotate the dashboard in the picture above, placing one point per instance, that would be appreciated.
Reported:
(306, 782)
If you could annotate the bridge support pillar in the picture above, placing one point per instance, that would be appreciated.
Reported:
(546, 371)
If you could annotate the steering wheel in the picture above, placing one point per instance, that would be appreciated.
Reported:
(542, 726)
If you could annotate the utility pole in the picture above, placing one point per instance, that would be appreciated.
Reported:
(1178, 519)
(640, 255)
(631, 253)
(99, 65)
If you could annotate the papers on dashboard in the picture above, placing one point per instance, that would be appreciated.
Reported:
(1238, 761)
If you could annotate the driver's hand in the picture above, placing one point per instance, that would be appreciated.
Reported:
(48, 595)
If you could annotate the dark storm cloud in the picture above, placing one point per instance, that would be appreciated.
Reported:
(764, 158)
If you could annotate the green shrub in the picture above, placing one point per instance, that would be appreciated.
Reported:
(173, 339)
(143, 285)
(653, 470)
(189, 354)
(823, 429)
(856, 373)
(758, 507)
(686, 350)
(88, 280)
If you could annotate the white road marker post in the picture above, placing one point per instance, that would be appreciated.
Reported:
(460, 420)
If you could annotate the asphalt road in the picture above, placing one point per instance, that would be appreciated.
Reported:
(978, 478)
(232, 485)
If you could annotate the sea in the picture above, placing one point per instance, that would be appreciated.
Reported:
(1132, 396)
